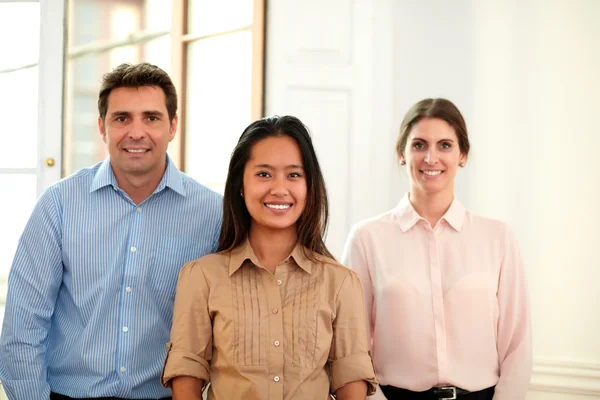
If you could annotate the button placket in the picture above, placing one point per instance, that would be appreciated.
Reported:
(275, 351)
(437, 299)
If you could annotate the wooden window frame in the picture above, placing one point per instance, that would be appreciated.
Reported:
(180, 39)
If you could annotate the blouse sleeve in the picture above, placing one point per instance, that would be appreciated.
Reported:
(514, 325)
(349, 357)
(355, 258)
(190, 349)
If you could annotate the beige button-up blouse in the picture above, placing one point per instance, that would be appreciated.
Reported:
(297, 334)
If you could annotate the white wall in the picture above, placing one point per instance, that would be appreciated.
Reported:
(319, 67)
(526, 75)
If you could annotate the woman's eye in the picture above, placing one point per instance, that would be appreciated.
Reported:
(263, 175)
(445, 146)
(294, 175)
(418, 146)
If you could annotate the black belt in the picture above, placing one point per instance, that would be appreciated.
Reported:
(56, 396)
(436, 393)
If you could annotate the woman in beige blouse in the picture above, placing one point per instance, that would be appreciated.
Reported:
(272, 315)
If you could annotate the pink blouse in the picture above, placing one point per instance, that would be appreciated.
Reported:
(445, 305)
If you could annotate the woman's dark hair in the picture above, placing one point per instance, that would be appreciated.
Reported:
(434, 108)
(312, 223)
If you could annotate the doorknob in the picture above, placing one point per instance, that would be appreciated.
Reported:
(50, 162)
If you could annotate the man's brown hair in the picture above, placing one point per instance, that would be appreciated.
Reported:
(134, 76)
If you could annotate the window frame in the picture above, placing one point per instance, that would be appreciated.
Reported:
(180, 39)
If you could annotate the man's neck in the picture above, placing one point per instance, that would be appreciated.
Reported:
(138, 187)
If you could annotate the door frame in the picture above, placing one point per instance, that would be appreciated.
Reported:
(51, 91)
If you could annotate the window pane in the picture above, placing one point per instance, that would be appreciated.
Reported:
(218, 103)
(14, 213)
(19, 89)
(209, 16)
(98, 24)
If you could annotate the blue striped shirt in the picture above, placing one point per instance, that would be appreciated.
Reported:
(92, 286)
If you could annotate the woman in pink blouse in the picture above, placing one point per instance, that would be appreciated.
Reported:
(445, 290)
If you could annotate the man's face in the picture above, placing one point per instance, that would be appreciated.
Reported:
(137, 132)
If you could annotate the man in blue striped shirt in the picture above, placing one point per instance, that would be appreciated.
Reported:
(92, 285)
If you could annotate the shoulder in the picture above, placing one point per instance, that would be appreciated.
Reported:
(80, 179)
(337, 273)
(209, 267)
(487, 227)
(196, 190)
(76, 183)
(381, 225)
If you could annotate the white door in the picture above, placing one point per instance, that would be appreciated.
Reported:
(329, 64)
(31, 86)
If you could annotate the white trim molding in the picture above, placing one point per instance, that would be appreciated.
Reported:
(566, 377)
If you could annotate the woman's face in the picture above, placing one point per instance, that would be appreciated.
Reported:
(275, 184)
(432, 156)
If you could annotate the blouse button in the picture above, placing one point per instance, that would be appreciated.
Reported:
(276, 378)
(279, 282)
(275, 311)
(276, 343)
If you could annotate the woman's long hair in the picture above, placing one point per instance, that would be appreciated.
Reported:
(312, 223)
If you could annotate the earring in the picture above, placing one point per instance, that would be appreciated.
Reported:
(241, 194)
(462, 164)
(402, 162)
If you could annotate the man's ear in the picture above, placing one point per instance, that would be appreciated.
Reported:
(102, 129)
(173, 128)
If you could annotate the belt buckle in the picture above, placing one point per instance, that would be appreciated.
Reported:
(452, 388)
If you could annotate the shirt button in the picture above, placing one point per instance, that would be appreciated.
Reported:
(123, 369)
(133, 249)
(125, 329)
(276, 343)
(139, 209)
(128, 289)
(275, 311)
(276, 378)
(279, 282)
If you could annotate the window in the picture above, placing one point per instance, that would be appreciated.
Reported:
(212, 50)
(102, 35)
(220, 92)
(18, 113)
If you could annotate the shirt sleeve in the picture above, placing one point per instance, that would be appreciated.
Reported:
(355, 258)
(33, 283)
(514, 326)
(349, 358)
(190, 350)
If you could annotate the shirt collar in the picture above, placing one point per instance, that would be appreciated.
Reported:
(172, 178)
(244, 252)
(455, 216)
(408, 217)
(104, 177)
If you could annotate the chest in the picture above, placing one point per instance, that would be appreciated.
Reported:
(265, 319)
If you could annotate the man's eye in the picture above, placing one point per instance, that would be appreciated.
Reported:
(121, 119)
(152, 118)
